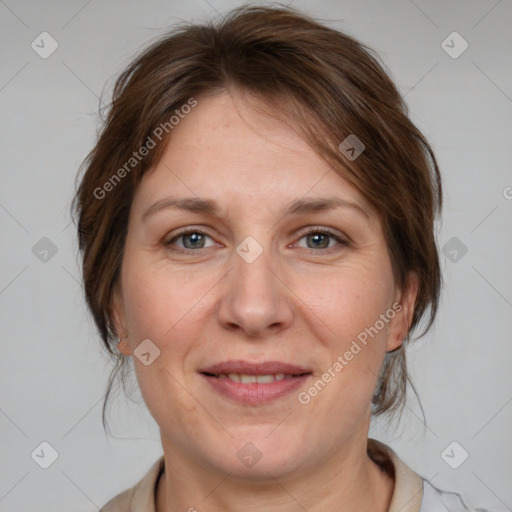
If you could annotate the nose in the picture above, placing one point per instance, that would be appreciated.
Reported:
(255, 298)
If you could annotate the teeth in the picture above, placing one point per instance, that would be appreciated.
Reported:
(250, 379)
(264, 379)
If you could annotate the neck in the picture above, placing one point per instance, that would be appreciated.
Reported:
(347, 482)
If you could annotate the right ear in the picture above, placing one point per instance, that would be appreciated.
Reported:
(118, 318)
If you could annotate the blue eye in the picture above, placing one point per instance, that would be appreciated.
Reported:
(318, 240)
(191, 240)
(321, 239)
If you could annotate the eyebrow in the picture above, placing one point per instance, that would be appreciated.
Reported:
(297, 207)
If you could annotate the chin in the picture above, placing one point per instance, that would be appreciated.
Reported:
(257, 455)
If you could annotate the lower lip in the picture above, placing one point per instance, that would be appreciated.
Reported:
(255, 393)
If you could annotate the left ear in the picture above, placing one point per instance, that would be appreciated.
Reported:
(403, 306)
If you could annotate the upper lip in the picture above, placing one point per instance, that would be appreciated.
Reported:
(255, 368)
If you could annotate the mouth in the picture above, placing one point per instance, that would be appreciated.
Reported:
(250, 379)
(254, 383)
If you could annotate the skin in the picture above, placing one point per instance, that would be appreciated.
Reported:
(295, 303)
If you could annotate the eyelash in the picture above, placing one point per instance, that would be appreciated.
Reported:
(314, 230)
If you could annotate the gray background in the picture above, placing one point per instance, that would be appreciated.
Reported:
(53, 373)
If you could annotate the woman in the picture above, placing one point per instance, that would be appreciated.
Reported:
(256, 225)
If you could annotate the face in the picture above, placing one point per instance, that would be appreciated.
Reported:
(262, 284)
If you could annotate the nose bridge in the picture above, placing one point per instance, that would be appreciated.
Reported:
(252, 275)
(254, 299)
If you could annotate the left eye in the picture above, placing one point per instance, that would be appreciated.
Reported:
(321, 240)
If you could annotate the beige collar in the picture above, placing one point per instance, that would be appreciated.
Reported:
(408, 491)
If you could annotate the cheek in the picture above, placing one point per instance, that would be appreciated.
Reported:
(349, 301)
(162, 303)
(346, 306)
(165, 307)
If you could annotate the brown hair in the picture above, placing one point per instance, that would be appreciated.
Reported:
(328, 85)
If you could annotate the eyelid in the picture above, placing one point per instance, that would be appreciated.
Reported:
(323, 229)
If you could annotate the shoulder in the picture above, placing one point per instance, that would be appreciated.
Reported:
(437, 500)
(413, 492)
(120, 503)
(140, 497)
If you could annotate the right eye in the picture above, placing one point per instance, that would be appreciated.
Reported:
(189, 240)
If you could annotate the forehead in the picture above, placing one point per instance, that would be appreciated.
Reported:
(235, 150)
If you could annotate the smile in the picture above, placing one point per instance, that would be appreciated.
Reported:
(254, 383)
(249, 379)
